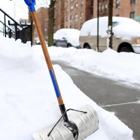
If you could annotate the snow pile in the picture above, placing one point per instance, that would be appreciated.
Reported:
(27, 98)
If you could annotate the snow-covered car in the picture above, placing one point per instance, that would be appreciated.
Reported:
(67, 37)
(126, 34)
(37, 41)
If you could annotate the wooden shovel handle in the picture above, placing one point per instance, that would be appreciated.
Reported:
(46, 55)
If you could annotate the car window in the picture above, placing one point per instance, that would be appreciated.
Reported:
(115, 23)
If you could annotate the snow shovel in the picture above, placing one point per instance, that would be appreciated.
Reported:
(78, 125)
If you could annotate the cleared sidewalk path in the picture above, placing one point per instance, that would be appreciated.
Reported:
(111, 95)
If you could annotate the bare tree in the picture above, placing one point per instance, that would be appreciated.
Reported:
(110, 14)
(51, 22)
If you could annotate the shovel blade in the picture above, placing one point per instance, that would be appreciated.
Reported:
(59, 133)
(86, 123)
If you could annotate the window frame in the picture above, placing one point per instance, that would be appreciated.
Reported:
(132, 2)
(117, 4)
(132, 14)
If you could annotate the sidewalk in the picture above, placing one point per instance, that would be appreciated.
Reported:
(111, 95)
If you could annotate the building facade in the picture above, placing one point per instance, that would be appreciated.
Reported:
(123, 8)
(42, 15)
(78, 11)
(59, 14)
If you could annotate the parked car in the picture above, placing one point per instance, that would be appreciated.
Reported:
(67, 37)
(37, 41)
(126, 34)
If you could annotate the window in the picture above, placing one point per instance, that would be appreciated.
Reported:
(81, 15)
(76, 17)
(117, 3)
(102, 7)
(115, 23)
(105, 7)
(71, 8)
(76, 6)
(132, 15)
(71, 18)
(75, 26)
(81, 25)
(133, 1)
(82, 3)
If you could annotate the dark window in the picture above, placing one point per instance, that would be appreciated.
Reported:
(133, 1)
(82, 3)
(132, 15)
(105, 7)
(81, 25)
(115, 23)
(117, 3)
(75, 26)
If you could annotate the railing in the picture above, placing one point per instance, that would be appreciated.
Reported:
(16, 30)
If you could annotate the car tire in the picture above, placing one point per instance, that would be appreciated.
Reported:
(86, 46)
(69, 45)
(126, 49)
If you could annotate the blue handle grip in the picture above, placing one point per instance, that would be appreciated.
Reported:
(31, 4)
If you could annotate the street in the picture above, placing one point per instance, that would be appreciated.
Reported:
(110, 95)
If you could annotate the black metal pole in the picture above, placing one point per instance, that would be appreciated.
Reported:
(110, 14)
(98, 25)
(31, 30)
(5, 24)
(16, 34)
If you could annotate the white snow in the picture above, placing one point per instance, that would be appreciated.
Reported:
(71, 35)
(27, 98)
(111, 64)
(120, 28)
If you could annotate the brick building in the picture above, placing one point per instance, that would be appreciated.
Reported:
(79, 11)
(123, 8)
(42, 15)
(59, 14)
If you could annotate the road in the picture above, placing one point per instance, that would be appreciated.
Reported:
(110, 95)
